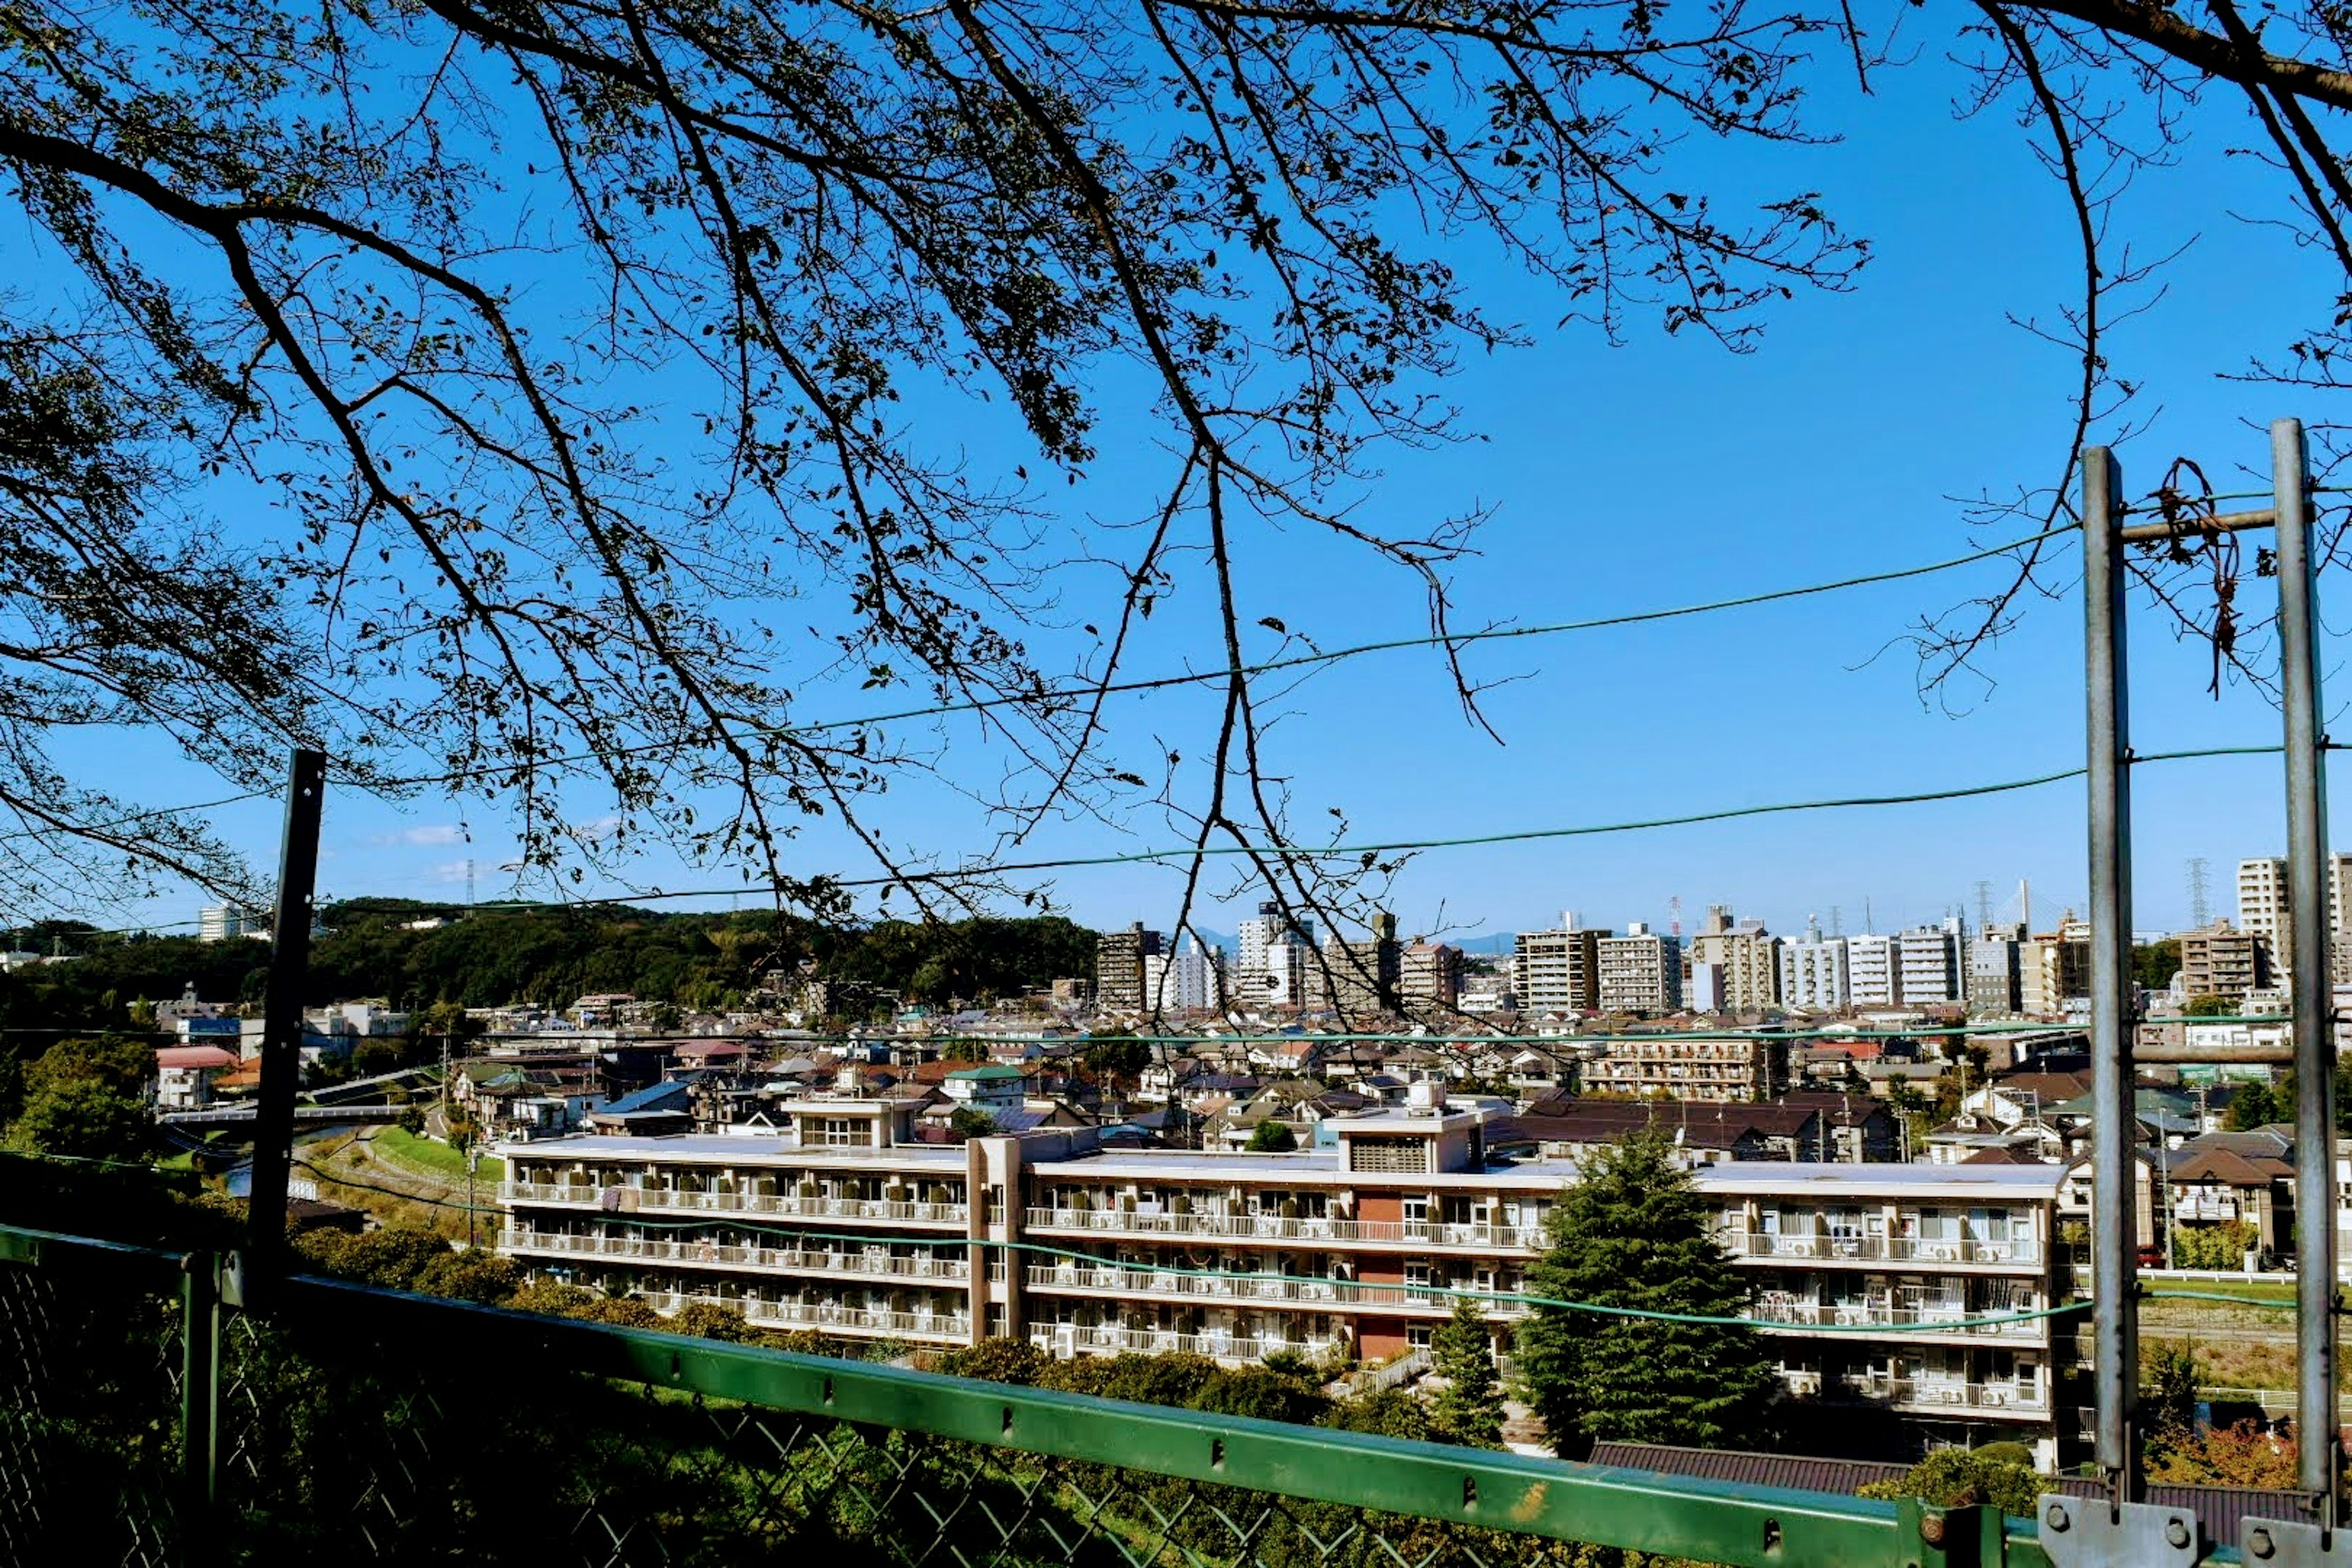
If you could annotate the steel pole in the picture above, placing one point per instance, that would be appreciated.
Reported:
(281, 1025)
(2114, 1260)
(2310, 982)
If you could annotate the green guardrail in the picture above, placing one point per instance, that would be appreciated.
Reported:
(151, 1420)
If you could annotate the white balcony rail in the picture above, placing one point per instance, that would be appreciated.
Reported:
(1476, 1233)
(783, 1204)
(1070, 1339)
(783, 1259)
(1879, 1248)
(1926, 1393)
(1882, 1315)
(1243, 1287)
(825, 1317)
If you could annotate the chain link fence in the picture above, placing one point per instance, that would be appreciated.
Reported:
(140, 1424)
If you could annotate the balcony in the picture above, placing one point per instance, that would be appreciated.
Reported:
(1877, 1248)
(1928, 1396)
(1883, 1317)
(776, 1260)
(824, 1317)
(782, 1205)
(1070, 1339)
(1327, 1293)
(1476, 1235)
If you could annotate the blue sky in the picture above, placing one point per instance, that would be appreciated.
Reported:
(1661, 472)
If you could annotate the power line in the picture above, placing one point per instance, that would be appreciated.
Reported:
(1519, 835)
(1073, 693)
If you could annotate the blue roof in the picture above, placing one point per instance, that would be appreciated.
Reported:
(668, 1095)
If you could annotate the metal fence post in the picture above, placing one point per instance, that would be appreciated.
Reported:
(2309, 970)
(281, 1037)
(200, 1324)
(2115, 1231)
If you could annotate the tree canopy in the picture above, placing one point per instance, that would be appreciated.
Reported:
(1634, 1233)
(401, 288)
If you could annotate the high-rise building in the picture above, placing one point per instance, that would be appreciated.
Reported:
(1557, 970)
(1814, 971)
(2054, 969)
(1994, 972)
(218, 923)
(1641, 972)
(1930, 962)
(1749, 957)
(2262, 912)
(1429, 979)
(1180, 982)
(1277, 960)
(1360, 977)
(2218, 960)
(1118, 967)
(1874, 969)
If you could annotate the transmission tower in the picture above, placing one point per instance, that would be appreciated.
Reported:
(2201, 885)
(1837, 921)
(1984, 905)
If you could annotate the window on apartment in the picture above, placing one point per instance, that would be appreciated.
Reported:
(838, 1132)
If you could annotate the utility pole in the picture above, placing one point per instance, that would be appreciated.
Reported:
(281, 1035)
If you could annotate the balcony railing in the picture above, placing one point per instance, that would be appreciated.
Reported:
(780, 1259)
(1923, 1320)
(129, 1383)
(824, 1317)
(1479, 1235)
(1245, 1288)
(783, 1204)
(1878, 1248)
(1927, 1393)
(1070, 1339)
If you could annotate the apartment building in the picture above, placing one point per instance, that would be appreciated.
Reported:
(1929, 957)
(1640, 973)
(2220, 960)
(843, 1229)
(1994, 972)
(1874, 968)
(1749, 955)
(2264, 914)
(1186, 981)
(1557, 970)
(2054, 969)
(1361, 978)
(1429, 979)
(1276, 959)
(1119, 958)
(1814, 971)
(1684, 1067)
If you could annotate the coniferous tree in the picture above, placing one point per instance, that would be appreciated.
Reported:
(1469, 1409)
(1634, 1233)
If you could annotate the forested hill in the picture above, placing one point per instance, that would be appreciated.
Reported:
(547, 954)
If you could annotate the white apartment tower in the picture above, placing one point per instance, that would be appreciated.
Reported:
(1930, 960)
(1181, 981)
(1814, 971)
(1641, 972)
(1874, 969)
